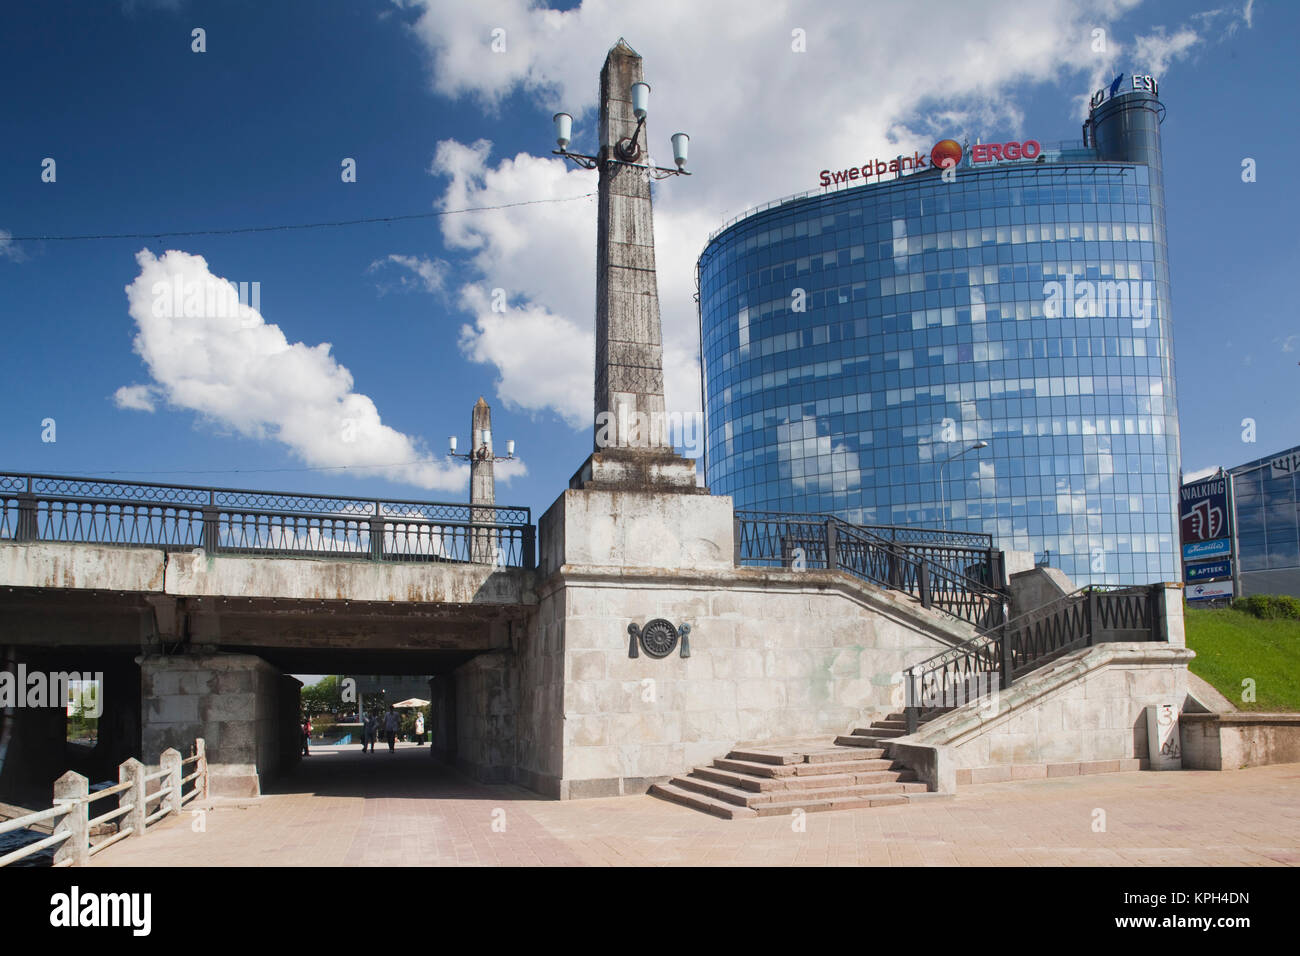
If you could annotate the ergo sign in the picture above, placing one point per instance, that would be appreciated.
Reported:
(946, 153)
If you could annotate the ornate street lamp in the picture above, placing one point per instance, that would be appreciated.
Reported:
(627, 151)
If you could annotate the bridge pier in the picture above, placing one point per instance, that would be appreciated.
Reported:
(244, 708)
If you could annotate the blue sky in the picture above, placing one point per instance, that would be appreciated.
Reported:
(149, 136)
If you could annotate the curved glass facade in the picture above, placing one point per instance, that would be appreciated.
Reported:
(857, 345)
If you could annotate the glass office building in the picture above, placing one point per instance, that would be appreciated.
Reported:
(992, 353)
(1266, 513)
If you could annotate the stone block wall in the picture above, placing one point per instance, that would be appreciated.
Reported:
(485, 699)
(232, 701)
(774, 655)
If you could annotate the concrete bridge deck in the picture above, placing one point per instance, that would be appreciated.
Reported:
(343, 808)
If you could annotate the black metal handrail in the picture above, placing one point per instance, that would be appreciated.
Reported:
(1002, 654)
(928, 571)
(271, 523)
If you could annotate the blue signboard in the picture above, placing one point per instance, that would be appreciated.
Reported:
(1207, 549)
(1209, 570)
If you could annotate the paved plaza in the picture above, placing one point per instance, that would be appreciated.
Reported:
(345, 808)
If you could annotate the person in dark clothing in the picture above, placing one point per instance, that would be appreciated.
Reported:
(306, 736)
(392, 723)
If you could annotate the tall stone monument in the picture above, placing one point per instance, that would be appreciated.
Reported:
(631, 438)
(482, 486)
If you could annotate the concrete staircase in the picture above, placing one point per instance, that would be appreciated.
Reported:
(769, 780)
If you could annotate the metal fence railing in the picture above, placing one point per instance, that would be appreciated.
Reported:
(1001, 655)
(238, 521)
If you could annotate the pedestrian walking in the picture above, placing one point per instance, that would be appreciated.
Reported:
(306, 735)
(392, 723)
(369, 730)
(419, 728)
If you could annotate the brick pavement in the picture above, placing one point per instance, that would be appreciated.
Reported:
(343, 808)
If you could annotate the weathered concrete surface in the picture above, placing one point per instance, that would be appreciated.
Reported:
(485, 700)
(317, 579)
(80, 566)
(620, 529)
(1085, 713)
(235, 702)
(1222, 741)
(1035, 587)
(183, 574)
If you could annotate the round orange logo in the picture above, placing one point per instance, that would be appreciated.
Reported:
(946, 152)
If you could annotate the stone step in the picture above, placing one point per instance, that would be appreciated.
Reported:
(840, 754)
(846, 766)
(877, 732)
(756, 769)
(699, 801)
(848, 789)
(841, 803)
(765, 756)
(741, 781)
(895, 723)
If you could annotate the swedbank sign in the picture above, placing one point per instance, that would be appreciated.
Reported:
(945, 154)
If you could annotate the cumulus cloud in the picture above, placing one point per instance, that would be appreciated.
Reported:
(429, 275)
(764, 119)
(140, 398)
(212, 355)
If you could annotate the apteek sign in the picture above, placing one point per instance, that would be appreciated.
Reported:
(1209, 571)
(945, 154)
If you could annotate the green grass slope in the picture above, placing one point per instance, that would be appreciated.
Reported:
(1231, 646)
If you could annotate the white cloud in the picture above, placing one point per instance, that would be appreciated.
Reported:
(237, 370)
(763, 119)
(1156, 50)
(430, 275)
(138, 398)
(8, 250)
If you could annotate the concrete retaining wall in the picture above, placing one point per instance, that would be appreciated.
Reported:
(1219, 741)
(1083, 714)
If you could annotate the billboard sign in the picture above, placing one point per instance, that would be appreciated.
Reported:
(1208, 571)
(1217, 590)
(1207, 549)
(1203, 511)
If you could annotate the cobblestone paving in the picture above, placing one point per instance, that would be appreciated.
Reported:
(343, 808)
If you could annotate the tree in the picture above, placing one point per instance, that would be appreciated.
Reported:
(323, 697)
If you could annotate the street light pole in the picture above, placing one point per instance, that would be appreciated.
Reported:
(943, 506)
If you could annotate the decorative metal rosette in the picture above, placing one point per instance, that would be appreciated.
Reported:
(658, 638)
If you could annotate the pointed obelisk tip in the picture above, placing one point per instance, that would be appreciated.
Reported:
(480, 401)
(622, 47)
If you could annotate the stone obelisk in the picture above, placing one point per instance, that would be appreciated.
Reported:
(632, 445)
(482, 487)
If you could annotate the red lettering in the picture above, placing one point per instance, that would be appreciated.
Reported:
(853, 173)
(979, 153)
(841, 176)
(995, 151)
(826, 177)
(1025, 148)
(1011, 151)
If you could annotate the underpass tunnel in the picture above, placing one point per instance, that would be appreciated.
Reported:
(170, 671)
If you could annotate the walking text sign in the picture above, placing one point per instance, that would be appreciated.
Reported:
(1204, 510)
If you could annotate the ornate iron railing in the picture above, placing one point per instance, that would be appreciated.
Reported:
(1000, 655)
(933, 571)
(239, 521)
